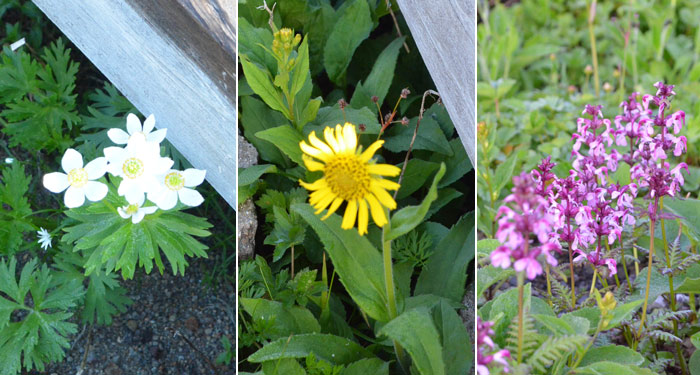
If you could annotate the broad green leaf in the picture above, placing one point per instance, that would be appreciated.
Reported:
(624, 312)
(507, 304)
(504, 173)
(430, 137)
(379, 79)
(694, 363)
(261, 83)
(407, 218)
(251, 41)
(357, 262)
(301, 68)
(373, 366)
(255, 117)
(591, 314)
(457, 165)
(487, 246)
(457, 347)
(417, 173)
(607, 367)
(687, 209)
(332, 116)
(658, 285)
(333, 349)
(612, 353)
(286, 366)
(287, 320)
(415, 331)
(557, 326)
(353, 26)
(695, 339)
(445, 273)
(490, 275)
(247, 176)
(286, 139)
(445, 197)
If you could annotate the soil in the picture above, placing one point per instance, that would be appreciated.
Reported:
(173, 327)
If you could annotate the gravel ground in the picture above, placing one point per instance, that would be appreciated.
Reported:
(173, 327)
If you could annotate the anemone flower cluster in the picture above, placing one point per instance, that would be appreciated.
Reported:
(486, 356)
(142, 171)
(524, 227)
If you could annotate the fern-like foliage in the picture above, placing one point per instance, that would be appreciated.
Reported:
(554, 349)
(112, 243)
(14, 208)
(561, 296)
(660, 364)
(531, 338)
(34, 313)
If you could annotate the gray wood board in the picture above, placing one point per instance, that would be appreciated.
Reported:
(166, 63)
(445, 33)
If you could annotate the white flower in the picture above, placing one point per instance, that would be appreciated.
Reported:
(176, 184)
(137, 164)
(135, 211)
(44, 238)
(134, 128)
(9, 160)
(78, 180)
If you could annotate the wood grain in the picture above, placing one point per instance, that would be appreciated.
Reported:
(167, 63)
(445, 33)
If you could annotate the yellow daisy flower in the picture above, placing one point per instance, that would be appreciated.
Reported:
(348, 175)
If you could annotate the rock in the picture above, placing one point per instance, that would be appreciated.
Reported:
(208, 331)
(113, 369)
(192, 324)
(247, 219)
(131, 324)
(172, 318)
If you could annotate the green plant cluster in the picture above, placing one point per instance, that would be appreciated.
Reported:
(314, 300)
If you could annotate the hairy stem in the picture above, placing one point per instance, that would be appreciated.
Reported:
(521, 282)
(646, 291)
(389, 283)
(624, 264)
(594, 53)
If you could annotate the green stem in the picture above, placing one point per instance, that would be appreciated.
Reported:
(389, 283)
(549, 284)
(624, 264)
(646, 291)
(521, 281)
(594, 53)
(595, 274)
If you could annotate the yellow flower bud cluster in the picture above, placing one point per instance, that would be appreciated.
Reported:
(284, 43)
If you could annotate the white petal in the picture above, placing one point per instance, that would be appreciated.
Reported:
(149, 210)
(139, 200)
(157, 136)
(95, 191)
(133, 124)
(75, 197)
(166, 200)
(122, 213)
(148, 124)
(161, 165)
(71, 160)
(118, 136)
(96, 168)
(137, 217)
(193, 177)
(56, 182)
(190, 197)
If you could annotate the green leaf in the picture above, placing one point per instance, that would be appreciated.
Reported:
(286, 320)
(613, 353)
(261, 83)
(332, 116)
(490, 275)
(457, 349)
(415, 176)
(286, 139)
(357, 262)
(445, 273)
(457, 165)
(486, 246)
(251, 43)
(247, 176)
(407, 218)
(373, 366)
(415, 331)
(283, 367)
(606, 367)
(256, 117)
(353, 26)
(14, 208)
(332, 349)
(379, 79)
(624, 312)
(430, 137)
(504, 173)
(687, 209)
(694, 363)
(301, 68)
(507, 304)
(695, 339)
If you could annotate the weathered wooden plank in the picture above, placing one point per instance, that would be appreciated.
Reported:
(445, 33)
(166, 63)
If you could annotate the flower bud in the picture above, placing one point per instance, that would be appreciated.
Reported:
(607, 87)
(404, 121)
(342, 103)
(375, 98)
(405, 93)
(588, 69)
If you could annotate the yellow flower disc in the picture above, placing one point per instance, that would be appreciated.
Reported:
(349, 176)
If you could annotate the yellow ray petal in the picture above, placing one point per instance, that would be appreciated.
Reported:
(330, 139)
(369, 152)
(319, 195)
(384, 198)
(313, 151)
(350, 137)
(319, 144)
(377, 211)
(318, 184)
(324, 203)
(362, 218)
(387, 184)
(340, 138)
(334, 206)
(384, 169)
(311, 164)
(350, 215)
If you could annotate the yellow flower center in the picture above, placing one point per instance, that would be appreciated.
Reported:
(132, 168)
(132, 209)
(347, 177)
(174, 181)
(77, 177)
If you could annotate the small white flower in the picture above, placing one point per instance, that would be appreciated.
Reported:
(176, 184)
(14, 46)
(78, 180)
(137, 164)
(44, 238)
(135, 211)
(135, 129)
(9, 160)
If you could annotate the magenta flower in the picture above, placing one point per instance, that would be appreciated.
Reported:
(486, 356)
